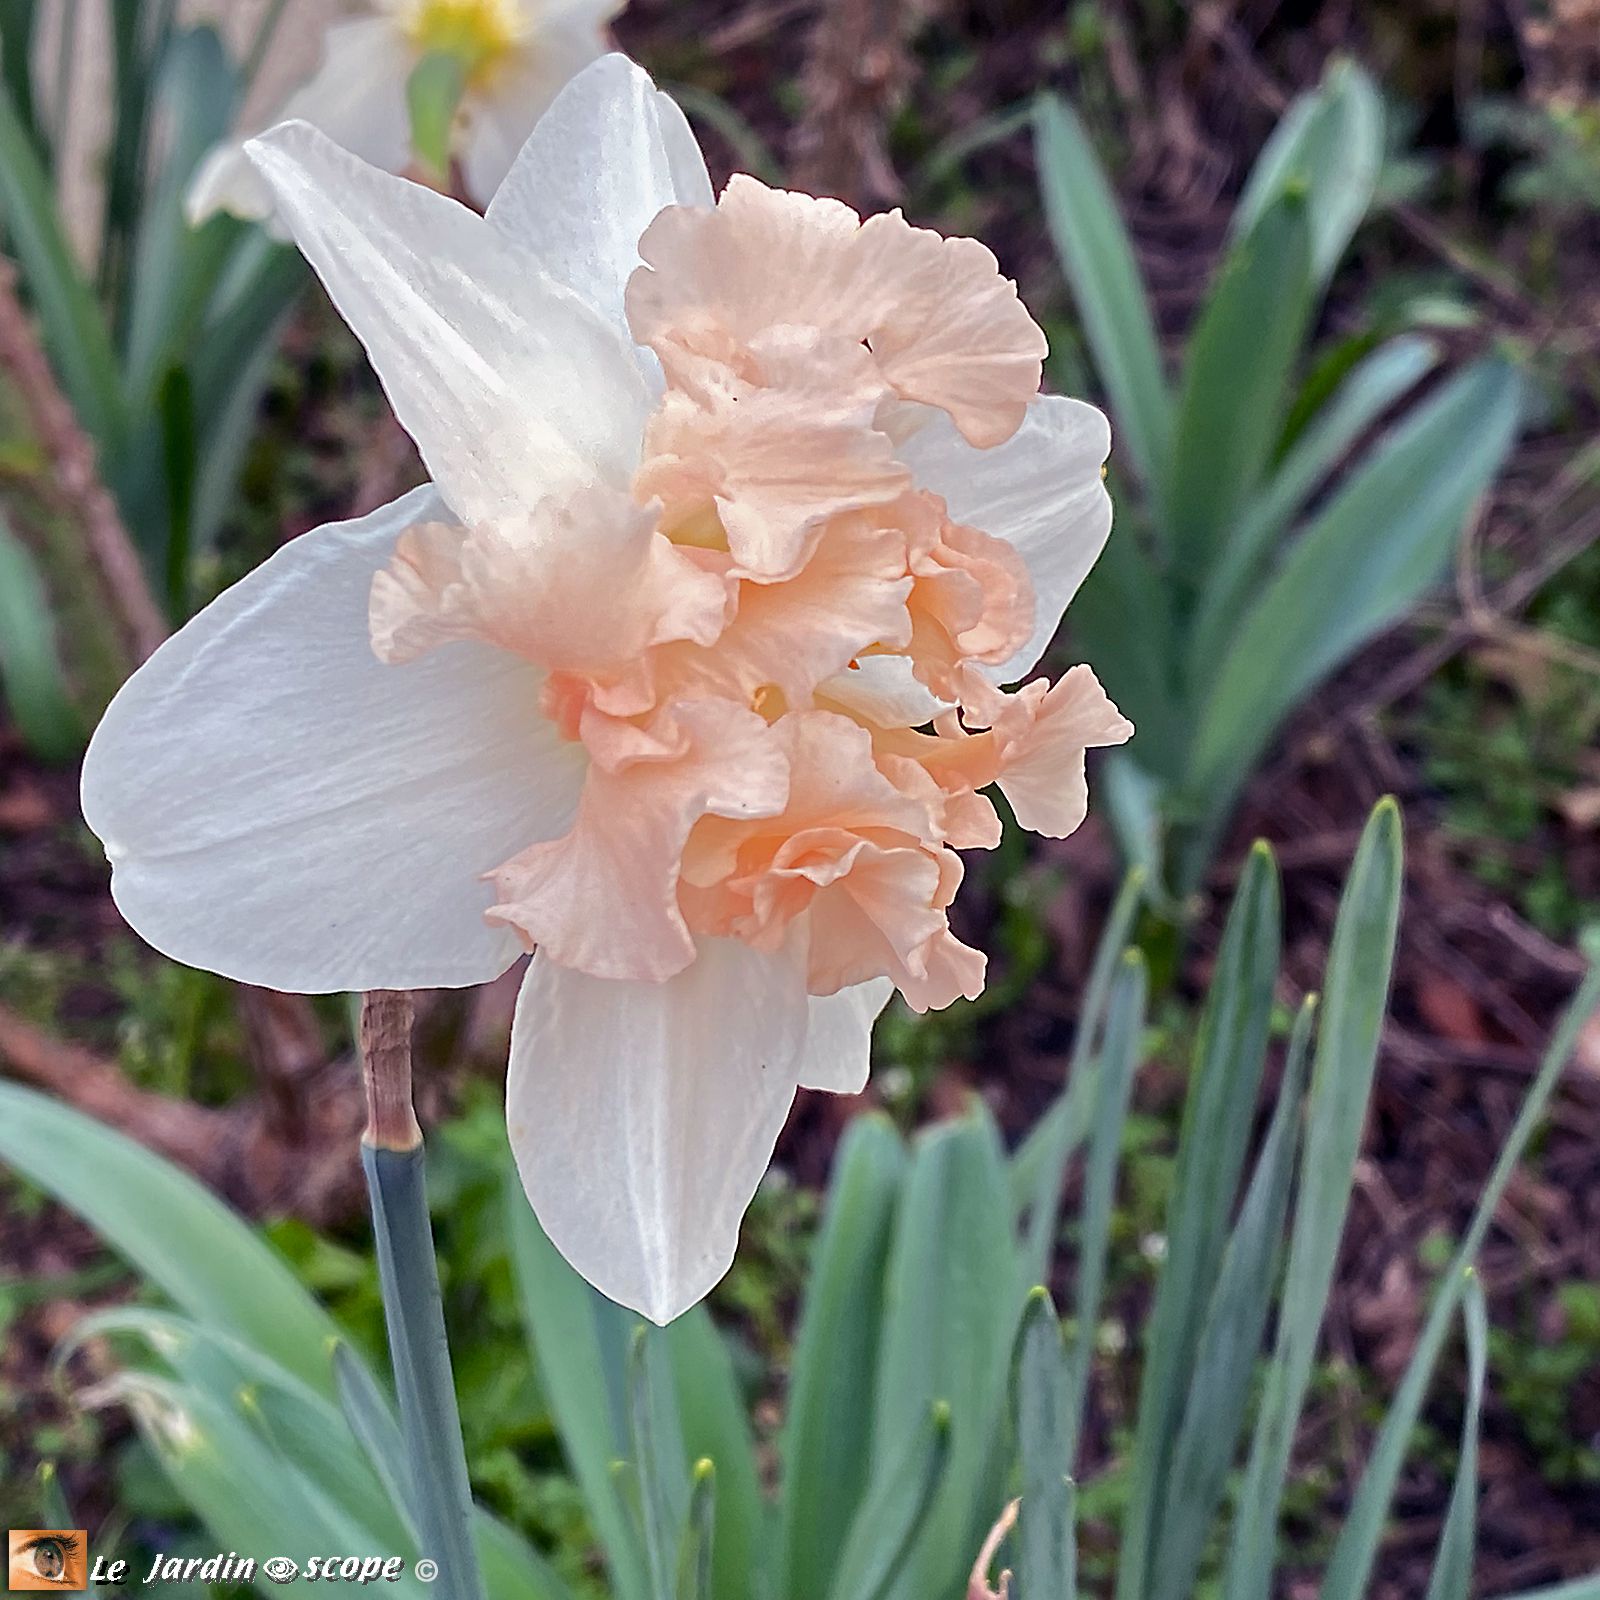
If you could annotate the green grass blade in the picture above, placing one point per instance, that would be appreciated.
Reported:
(18, 19)
(1363, 562)
(1230, 1052)
(1042, 1420)
(827, 1437)
(1225, 1358)
(1118, 1059)
(74, 333)
(1039, 1167)
(176, 266)
(891, 1519)
(372, 1425)
(1578, 1589)
(716, 1429)
(32, 676)
(1370, 389)
(1358, 1541)
(1235, 383)
(580, 1342)
(1354, 998)
(1329, 144)
(695, 1550)
(1099, 264)
(176, 1233)
(657, 1457)
(414, 1314)
(1451, 1578)
(1122, 620)
(950, 1314)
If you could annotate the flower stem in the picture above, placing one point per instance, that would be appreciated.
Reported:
(391, 1156)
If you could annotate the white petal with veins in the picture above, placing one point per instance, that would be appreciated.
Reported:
(281, 807)
(512, 387)
(643, 1115)
(1041, 491)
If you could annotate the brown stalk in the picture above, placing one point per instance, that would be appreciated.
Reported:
(386, 1016)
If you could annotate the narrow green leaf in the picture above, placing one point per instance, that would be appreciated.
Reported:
(184, 1240)
(1358, 1540)
(716, 1429)
(1123, 622)
(950, 1314)
(1579, 1589)
(890, 1521)
(1225, 1357)
(1451, 1578)
(32, 676)
(1330, 144)
(1039, 1167)
(1230, 1052)
(433, 95)
(695, 1548)
(658, 1461)
(75, 335)
(1235, 382)
(1370, 389)
(180, 452)
(580, 1341)
(373, 1426)
(1042, 1420)
(1119, 1056)
(413, 1310)
(1370, 555)
(1355, 995)
(1099, 264)
(18, 19)
(827, 1436)
(176, 266)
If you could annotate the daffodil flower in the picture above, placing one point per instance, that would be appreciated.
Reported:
(685, 672)
(515, 56)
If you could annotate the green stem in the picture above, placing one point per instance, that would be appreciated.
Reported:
(392, 1157)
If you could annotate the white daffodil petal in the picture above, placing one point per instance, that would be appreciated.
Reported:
(838, 1052)
(610, 153)
(357, 97)
(511, 385)
(1041, 491)
(281, 807)
(643, 1115)
(884, 690)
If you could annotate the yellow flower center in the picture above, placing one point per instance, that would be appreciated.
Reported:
(480, 32)
(701, 527)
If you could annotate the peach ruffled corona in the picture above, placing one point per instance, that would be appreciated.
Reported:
(687, 670)
(772, 540)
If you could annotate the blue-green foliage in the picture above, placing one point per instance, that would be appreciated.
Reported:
(1273, 514)
(927, 1388)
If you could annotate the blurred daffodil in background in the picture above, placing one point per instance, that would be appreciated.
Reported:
(471, 76)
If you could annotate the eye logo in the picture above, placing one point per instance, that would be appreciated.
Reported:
(47, 1558)
(279, 1568)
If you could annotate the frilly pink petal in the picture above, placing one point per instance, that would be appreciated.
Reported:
(1042, 768)
(855, 855)
(944, 327)
(604, 898)
(762, 469)
(537, 584)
